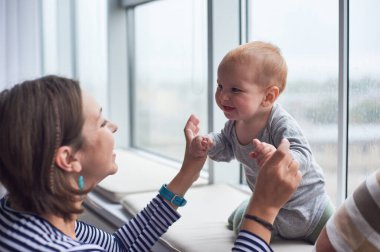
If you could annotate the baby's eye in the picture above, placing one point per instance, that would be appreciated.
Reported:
(220, 87)
(104, 123)
(235, 90)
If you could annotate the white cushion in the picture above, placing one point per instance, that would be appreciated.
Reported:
(136, 174)
(203, 225)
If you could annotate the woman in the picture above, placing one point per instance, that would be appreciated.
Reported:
(55, 146)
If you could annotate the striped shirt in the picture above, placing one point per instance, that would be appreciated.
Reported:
(22, 231)
(356, 224)
(249, 242)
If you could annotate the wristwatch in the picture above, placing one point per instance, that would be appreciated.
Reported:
(171, 197)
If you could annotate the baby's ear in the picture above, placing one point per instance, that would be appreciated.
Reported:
(271, 95)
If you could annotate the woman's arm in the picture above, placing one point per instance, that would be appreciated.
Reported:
(323, 243)
(141, 232)
(356, 223)
(191, 166)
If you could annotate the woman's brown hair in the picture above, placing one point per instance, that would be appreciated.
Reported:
(37, 117)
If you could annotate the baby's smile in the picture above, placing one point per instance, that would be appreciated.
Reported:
(228, 108)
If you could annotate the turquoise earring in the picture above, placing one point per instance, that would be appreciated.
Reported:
(81, 183)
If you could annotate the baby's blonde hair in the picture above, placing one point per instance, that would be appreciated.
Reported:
(270, 65)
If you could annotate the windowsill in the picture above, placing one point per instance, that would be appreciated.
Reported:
(186, 234)
(114, 215)
(139, 172)
(132, 177)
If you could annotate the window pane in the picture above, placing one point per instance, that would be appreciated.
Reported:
(170, 73)
(307, 33)
(364, 91)
(91, 48)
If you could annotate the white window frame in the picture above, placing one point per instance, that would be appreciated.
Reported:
(223, 34)
(342, 145)
(121, 23)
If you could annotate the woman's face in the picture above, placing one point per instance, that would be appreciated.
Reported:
(96, 155)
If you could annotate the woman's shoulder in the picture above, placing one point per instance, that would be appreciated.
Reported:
(22, 231)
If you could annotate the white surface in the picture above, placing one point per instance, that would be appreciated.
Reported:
(203, 225)
(137, 174)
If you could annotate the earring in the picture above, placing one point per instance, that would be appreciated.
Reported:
(81, 183)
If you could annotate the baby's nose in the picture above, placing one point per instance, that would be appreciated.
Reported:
(224, 96)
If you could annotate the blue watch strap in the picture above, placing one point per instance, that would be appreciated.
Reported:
(171, 197)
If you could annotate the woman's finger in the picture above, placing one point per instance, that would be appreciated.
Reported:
(282, 155)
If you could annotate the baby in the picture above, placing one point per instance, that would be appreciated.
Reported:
(250, 79)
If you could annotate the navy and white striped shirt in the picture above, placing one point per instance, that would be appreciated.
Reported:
(249, 242)
(22, 231)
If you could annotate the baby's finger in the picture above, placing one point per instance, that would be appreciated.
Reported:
(253, 154)
(256, 142)
(204, 144)
(199, 140)
(259, 148)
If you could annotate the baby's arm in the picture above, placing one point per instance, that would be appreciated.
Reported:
(200, 146)
(262, 152)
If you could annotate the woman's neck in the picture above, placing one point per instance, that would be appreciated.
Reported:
(67, 227)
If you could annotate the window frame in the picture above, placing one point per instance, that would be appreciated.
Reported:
(218, 26)
(343, 82)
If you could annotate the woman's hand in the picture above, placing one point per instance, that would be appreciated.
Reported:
(191, 165)
(277, 180)
(263, 152)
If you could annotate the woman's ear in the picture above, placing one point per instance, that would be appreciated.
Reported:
(65, 159)
(271, 95)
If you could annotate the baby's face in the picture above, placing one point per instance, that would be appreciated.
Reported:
(237, 94)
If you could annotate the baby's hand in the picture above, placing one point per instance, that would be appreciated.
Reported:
(200, 145)
(263, 152)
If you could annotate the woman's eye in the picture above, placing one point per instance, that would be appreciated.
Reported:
(104, 123)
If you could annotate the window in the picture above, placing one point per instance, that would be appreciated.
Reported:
(91, 48)
(74, 43)
(171, 72)
(307, 34)
(170, 80)
(364, 91)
